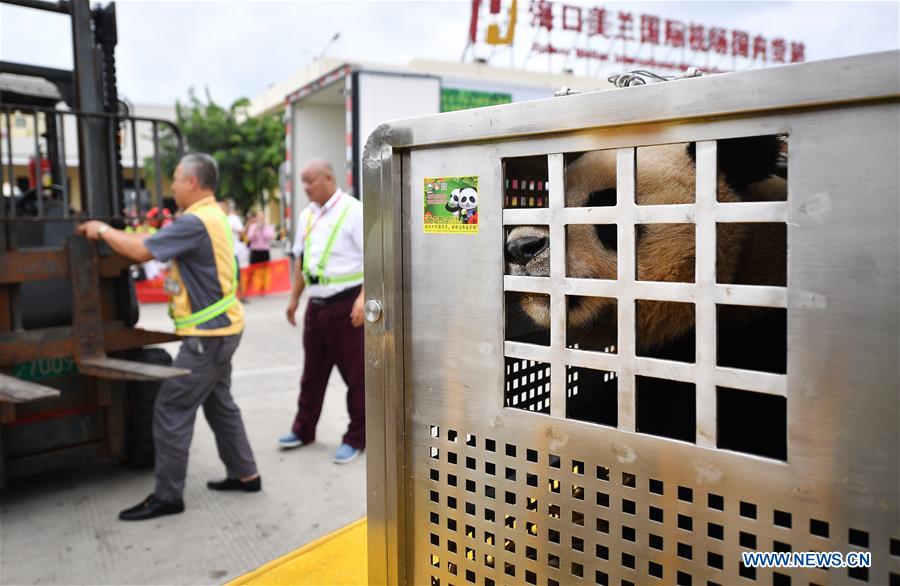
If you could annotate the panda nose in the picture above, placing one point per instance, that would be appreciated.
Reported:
(522, 250)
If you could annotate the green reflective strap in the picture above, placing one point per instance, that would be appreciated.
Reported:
(326, 254)
(340, 280)
(306, 249)
(331, 238)
(236, 273)
(207, 313)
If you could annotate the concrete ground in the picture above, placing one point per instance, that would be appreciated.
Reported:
(62, 527)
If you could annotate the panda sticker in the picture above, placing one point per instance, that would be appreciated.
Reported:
(451, 205)
(465, 204)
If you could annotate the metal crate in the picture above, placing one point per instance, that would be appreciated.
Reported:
(477, 474)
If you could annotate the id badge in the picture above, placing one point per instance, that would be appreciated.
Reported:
(171, 286)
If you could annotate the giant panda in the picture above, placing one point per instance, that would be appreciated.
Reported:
(749, 169)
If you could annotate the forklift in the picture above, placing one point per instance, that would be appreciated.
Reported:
(77, 378)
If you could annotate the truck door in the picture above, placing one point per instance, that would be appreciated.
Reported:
(379, 97)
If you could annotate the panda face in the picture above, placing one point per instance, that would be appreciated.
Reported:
(466, 197)
(453, 201)
(665, 252)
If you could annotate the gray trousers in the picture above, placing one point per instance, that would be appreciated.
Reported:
(209, 385)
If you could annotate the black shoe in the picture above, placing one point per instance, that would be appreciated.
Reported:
(152, 507)
(254, 485)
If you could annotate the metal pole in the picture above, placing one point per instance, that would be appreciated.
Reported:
(112, 124)
(63, 169)
(38, 176)
(12, 241)
(4, 171)
(157, 167)
(134, 158)
(12, 173)
(60, 7)
(95, 169)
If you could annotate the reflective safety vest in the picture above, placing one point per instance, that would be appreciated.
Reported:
(221, 238)
(319, 277)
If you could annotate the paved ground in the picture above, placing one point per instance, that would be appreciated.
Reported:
(61, 528)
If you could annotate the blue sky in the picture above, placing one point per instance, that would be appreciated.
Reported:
(239, 48)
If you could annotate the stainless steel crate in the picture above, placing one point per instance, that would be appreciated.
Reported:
(477, 475)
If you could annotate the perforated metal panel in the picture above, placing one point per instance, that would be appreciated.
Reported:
(500, 456)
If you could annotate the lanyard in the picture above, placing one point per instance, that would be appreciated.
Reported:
(319, 277)
(324, 211)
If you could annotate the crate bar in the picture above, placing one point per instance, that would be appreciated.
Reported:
(524, 351)
(556, 176)
(626, 183)
(537, 216)
(749, 212)
(527, 284)
(705, 306)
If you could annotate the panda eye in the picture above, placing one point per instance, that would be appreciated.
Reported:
(606, 233)
(602, 198)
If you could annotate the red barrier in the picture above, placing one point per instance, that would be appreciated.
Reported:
(151, 291)
(260, 278)
(263, 278)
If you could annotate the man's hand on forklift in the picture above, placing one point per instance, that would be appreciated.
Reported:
(92, 228)
(127, 244)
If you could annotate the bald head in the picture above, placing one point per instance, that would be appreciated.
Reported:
(320, 166)
(318, 180)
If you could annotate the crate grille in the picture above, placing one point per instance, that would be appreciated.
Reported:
(583, 522)
(704, 379)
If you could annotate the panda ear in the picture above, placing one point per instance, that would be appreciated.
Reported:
(746, 160)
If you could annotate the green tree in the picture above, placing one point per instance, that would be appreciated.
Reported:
(249, 150)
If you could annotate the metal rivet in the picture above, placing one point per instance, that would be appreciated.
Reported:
(372, 311)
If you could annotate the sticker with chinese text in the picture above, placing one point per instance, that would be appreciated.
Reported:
(451, 205)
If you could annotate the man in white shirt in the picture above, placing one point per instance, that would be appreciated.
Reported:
(237, 229)
(329, 251)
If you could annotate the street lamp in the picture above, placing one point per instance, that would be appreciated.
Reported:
(328, 44)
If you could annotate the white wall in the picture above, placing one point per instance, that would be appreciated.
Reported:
(318, 131)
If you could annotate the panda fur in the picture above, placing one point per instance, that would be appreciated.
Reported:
(750, 169)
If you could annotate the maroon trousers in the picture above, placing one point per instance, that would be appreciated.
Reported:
(330, 339)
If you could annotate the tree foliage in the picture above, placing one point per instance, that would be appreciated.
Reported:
(249, 150)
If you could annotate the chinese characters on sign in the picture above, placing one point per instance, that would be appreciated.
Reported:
(626, 37)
